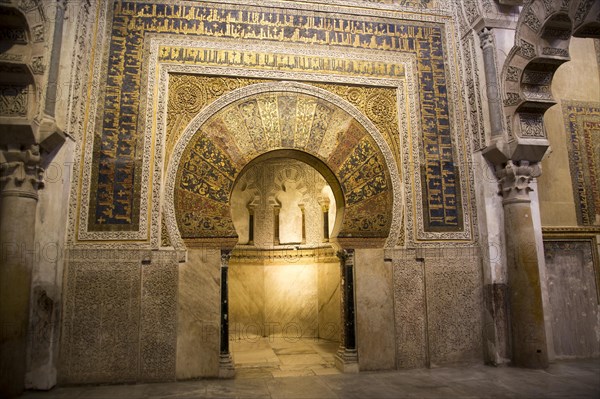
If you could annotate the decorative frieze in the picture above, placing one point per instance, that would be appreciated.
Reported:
(511, 99)
(553, 51)
(11, 57)
(532, 125)
(582, 10)
(513, 74)
(527, 50)
(15, 35)
(37, 65)
(38, 33)
(532, 21)
(537, 77)
(14, 100)
(27, 5)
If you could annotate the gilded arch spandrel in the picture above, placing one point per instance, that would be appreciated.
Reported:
(371, 187)
(190, 93)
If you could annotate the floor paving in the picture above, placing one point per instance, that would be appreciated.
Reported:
(563, 379)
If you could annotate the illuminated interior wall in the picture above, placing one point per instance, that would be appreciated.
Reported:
(279, 284)
(284, 298)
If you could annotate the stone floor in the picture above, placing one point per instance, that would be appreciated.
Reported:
(565, 379)
(283, 357)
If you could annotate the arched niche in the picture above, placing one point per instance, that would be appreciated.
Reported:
(259, 186)
(267, 118)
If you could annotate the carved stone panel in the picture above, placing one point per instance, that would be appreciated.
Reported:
(100, 336)
(13, 100)
(454, 306)
(409, 307)
(158, 324)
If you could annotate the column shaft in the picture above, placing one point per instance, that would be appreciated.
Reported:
(346, 358)
(20, 179)
(528, 333)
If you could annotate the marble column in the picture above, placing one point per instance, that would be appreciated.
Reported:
(226, 368)
(346, 358)
(529, 347)
(20, 179)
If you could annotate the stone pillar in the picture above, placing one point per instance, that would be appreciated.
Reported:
(346, 358)
(226, 368)
(529, 347)
(20, 179)
(53, 67)
(491, 79)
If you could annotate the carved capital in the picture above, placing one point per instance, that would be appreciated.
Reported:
(225, 256)
(20, 172)
(346, 256)
(514, 180)
(324, 202)
(486, 39)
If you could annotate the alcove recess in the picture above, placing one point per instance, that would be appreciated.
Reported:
(284, 275)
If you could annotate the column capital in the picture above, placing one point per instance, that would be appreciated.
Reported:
(486, 38)
(324, 202)
(20, 172)
(514, 180)
(225, 256)
(346, 256)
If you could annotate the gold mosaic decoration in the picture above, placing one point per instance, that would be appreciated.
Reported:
(378, 104)
(260, 123)
(115, 201)
(189, 94)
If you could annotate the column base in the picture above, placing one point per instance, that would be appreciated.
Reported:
(226, 367)
(346, 360)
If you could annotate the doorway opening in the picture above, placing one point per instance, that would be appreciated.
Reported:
(284, 276)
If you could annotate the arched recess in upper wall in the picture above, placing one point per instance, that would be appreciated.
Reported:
(264, 117)
(541, 45)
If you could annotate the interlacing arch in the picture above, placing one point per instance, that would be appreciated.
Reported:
(541, 45)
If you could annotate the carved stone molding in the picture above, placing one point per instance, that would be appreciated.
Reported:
(491, 76)
(20, 172)
(514, 180)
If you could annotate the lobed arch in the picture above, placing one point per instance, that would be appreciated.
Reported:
(542, 37)
(282, 119)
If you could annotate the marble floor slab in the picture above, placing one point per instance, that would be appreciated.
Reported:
(563, 379)
(284, 357)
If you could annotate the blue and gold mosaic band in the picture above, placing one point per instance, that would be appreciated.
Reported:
(114, 204)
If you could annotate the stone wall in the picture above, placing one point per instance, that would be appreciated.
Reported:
(292, 298)
(575, 84)
(199, 314)
(374, 313)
